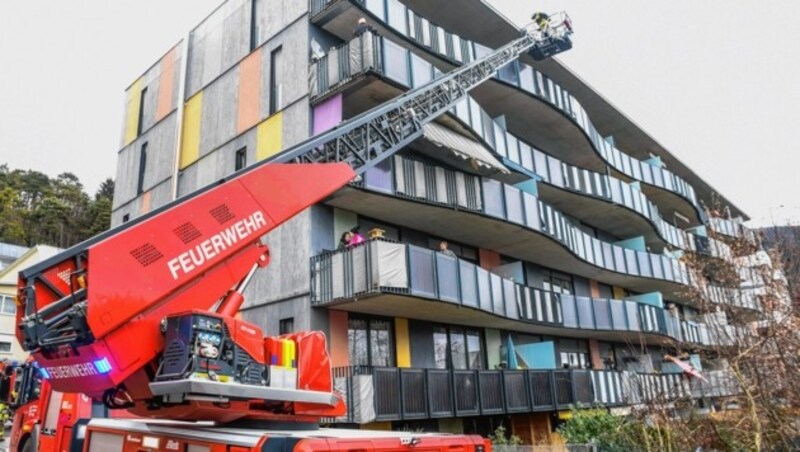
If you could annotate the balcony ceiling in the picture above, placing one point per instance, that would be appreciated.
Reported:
(479, 21)
(408, 306)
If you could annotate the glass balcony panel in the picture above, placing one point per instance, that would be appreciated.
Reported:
(658, 176)
(488, 129)
(644, 264)
(602, 314)
(412, 25)
(588, 249)
(457, 49)
(441, 41)
(499, 139)
(585, 312)
(630, 262)
(618, 317)
(597, 246)
(619, 259)
(526, 156)
(475, 116)
(426, 32)
(497, 294)
(493, 198)
(378, 8)
(509, 73)
(531, 211)
(569, 311)
(608, 256)
(447, 277)
(422, 271)
(469, 283)
(511, 302)
(396, 16)
(526, 303)
(554, 166)
(667, 266)
(512, 148)
(647, 172)
(616, 191)
(396, 62)
(540, 164)
(668, 182)
(626, 164)
(526, 78)
(484, 290)
(514, 210)
(632, 311)
(422, 73)
(655, 262)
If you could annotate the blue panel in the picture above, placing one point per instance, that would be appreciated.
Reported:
(569, 311)
(540, 355)
(635, 243)
(652, 298)
(493, 198)
(585, 312)
(632, 311)
(380, 177)
(618, 316)
(602, 314)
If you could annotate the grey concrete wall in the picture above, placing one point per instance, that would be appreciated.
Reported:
(160, 160)
(218, 118)
(218, 43)
(268, 317)
(159, 195)
(217, 164)
(293, 70)
(272, 16)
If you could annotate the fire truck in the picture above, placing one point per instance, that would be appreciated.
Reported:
(142, 318)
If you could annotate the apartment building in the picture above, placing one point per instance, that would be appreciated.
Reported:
(568, 228)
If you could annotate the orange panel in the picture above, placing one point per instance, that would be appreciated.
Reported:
(594, 289)
(166, 84)
(340, 348)
(249, 92)
(145, 203)
(594, 354)
(488, 259)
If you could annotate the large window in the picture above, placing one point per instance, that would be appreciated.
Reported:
(275, 82)
(5, 347)
(371, 342)
(7, 305)
(557, 282)
(457, 348)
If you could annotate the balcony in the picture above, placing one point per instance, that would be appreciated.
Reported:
(507, 219)
(395, 279)
(362, 61)
(392, 394)
(447, 50)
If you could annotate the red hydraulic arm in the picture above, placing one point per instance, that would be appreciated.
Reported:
(94, 320)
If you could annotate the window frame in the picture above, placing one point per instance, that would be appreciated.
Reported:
(7, 300)
(142, 168)
(241, 154)
(274, 86)
(391, 360)
(464, 333)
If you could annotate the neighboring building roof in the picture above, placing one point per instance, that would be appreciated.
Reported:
(496, 30)
(9, 253)
(8, 276)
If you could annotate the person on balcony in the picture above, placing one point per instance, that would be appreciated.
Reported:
(445, 250)
(350, 239)
(362, 28)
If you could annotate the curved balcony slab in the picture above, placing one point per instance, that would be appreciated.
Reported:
(334, 73)
(385, 278)
(551, 104)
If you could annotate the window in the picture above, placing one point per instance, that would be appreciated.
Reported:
(142, 169)
(457, 348)
(574, 354)
(253, 24)
(140, 121)
(126, 218)
(557, 282)
(286, 326)
(371, 342)
(5, 347)
(241, 158)
(275, 84)
(7, 305)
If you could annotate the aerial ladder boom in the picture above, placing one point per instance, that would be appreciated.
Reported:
(124, 316)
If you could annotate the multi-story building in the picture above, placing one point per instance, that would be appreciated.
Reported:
(10, 349)
(569, 229)
(9, 253)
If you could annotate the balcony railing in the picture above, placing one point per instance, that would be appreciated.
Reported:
(457, 50)
(345, 63)
(431, 184)
(732, 228)
(391, 394)
(382, 267)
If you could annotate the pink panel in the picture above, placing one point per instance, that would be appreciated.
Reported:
(328, 114)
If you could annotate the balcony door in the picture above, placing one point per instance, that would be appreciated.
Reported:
(371, 341)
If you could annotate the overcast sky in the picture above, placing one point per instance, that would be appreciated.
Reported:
(716, 82)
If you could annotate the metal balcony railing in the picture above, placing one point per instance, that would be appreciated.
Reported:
(391, 394)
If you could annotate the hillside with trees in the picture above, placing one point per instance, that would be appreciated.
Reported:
(36, 209)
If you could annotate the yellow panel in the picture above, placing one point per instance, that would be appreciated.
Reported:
(133, 104)
(269, 137)
(190, 135)
(619, 292)
(402, 342)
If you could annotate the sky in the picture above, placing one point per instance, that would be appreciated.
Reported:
(716, 82)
